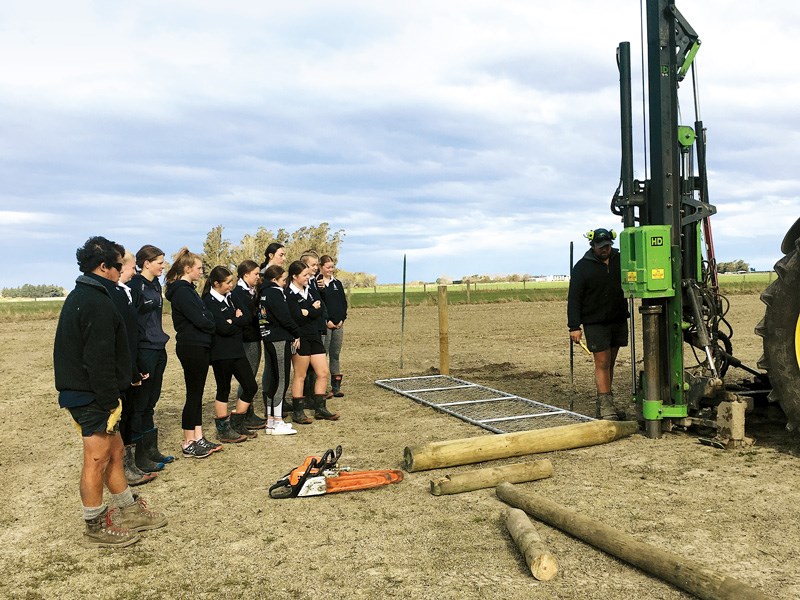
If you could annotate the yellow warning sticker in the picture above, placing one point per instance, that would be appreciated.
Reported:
(657, 274)
(631, 275)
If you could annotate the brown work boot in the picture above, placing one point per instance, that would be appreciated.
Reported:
(605, 409)
(103, 532)
(137, 517)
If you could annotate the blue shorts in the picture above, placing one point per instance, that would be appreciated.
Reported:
(602, 336)
(92, 418)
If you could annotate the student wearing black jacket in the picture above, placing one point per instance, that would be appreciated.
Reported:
(306, 311)
(279, 332)
(245, 295)
(597, 302)
(92, 367)
(146, 294)
(228, 358)
(335, 300)
(194, 332)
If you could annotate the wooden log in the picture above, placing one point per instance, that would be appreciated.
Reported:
(444, 332)
(681, 572)
(451, 453)
(491, 476)
(542, 564)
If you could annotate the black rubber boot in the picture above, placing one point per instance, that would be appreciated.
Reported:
(298, 414)
(336, 385)
(321, 410)
(155, 454)
(226, 433)
(252, 420)
(238, 425)
(143, 451)
(133, 474)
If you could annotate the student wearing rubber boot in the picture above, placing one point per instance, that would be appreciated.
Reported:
(597, 302)
(335, 300)
(92, 367)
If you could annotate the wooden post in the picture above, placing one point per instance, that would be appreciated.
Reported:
(681, 572)
(451, 453)
(468, 301)
(424, 288)
(490, 477)
(444, 334)
(542, 564)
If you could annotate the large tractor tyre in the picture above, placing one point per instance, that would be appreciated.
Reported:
(780, 330)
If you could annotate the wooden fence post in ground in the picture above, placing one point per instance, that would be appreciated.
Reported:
(681, 571)
(444, 335)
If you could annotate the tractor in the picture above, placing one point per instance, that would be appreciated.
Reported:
(668, 260)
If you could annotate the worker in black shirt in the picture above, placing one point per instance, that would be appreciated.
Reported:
(596, 301)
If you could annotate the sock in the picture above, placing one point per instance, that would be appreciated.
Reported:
(124, 498)
(92, 512)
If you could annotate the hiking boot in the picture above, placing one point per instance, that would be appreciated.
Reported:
(252, 420)
(195, 450)
(134, 475)
(238, 425)
(604, 407)
(298, 415)
(209, 445)
(227, 434)
(336, 386)
(151, 445)
(143, 461)
(321, 410)
(137, 517)
(102, 532)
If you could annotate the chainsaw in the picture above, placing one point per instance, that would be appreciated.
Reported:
(323, 475)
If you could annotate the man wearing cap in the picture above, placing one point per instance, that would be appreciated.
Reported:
(596, 301)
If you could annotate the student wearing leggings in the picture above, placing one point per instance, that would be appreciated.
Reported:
(332, 292)
(245, 295)
(279, 332)
(274, 255)
(194, 332)
(305, 310)
(228, 358)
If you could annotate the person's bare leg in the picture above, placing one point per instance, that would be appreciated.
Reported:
(97, 450)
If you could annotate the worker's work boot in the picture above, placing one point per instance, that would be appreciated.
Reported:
(103, 532)
(604, 407)
(137, 517)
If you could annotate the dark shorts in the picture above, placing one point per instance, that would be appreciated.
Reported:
(601, 337)
(92, 418)
(309, 347)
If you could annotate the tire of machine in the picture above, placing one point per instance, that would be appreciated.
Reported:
(780, 330)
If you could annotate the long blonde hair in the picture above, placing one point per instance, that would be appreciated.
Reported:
(184, 259)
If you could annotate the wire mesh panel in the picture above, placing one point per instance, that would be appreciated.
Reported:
(479, 405)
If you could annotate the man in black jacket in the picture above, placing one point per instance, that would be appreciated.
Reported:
(596, 301)
(92, 368)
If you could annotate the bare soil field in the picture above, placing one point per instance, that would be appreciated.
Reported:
(734, 511)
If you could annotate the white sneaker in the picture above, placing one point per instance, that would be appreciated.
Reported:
(282, 428)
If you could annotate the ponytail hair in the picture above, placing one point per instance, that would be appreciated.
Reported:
(184, 259)
(295, 269)
(273, 272)
(218, 275)
(147, 253)
(245, 267)
(271, 249)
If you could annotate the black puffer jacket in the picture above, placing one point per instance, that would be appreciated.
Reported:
(91, 359)
(595, 292)
(193, 322)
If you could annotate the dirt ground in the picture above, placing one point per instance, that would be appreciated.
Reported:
(734, 511)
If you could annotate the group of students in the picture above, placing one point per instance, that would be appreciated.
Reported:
(294, 315)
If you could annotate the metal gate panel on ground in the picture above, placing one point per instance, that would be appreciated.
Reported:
(499, 412)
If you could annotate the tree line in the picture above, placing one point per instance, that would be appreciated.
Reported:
(35, 291)
(218, 250)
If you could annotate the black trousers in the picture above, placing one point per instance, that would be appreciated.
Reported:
(239, 368)
(195, 361)
(145, 396)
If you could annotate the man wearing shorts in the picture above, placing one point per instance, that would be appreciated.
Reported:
(92, 368)
(596, 301)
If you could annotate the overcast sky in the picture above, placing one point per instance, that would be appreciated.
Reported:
(475, 136)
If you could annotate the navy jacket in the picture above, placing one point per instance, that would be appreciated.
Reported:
(149, 306)
(275, 321)
(335, 300)
(308, 326)
(595, 292)
(227, 342)
(193, 322)
(91, 359)
(248, 303)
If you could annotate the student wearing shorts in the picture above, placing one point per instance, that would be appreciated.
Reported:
(92, 367)
(597, 302)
